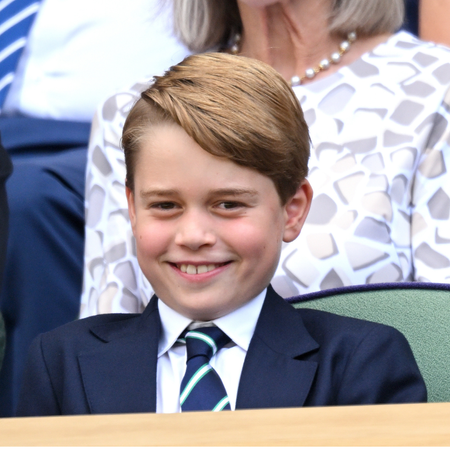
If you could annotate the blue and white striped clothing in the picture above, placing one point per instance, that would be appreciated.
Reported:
(16, 18)
(81, 51)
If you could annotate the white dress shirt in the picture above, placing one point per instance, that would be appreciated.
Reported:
(239, 325)
(81, 51)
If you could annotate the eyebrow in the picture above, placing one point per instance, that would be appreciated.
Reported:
(234, 192)
(158, 193)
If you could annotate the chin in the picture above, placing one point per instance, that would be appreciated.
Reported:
(204, 313)
(202, 316)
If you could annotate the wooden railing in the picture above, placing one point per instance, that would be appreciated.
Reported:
(393, 425)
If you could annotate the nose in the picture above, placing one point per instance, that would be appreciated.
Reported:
(195, 230)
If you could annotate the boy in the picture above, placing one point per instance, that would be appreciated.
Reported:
(216, 153)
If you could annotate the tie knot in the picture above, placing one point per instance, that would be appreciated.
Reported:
(206, 341)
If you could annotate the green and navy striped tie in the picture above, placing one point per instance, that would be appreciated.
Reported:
(201, 387)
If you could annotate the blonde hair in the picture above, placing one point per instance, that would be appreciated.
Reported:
(206, 24)
(231, 106)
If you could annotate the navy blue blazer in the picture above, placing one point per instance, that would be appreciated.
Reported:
(107, 363)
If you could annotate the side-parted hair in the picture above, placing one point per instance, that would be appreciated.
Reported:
(206, 24)
(231, 106)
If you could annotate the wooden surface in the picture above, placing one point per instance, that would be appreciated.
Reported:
(394, 425)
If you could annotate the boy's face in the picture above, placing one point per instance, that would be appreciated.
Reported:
(208, 231)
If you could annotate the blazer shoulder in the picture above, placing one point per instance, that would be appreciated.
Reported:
(323, 325)
(94, 321)
(85, 330)
(91, 331)
(362, 362)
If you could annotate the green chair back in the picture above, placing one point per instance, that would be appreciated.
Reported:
(421, 311)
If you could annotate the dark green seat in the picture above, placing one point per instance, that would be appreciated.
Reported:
(421, 311)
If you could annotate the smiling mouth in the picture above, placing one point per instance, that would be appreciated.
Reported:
(190, 269)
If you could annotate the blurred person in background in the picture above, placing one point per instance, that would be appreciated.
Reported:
(58, 60)
(377, 105)
(434, 21)
(5, 172)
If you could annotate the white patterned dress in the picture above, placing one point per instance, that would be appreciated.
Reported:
(379, 167)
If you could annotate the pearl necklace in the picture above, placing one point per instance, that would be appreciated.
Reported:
(310, 73)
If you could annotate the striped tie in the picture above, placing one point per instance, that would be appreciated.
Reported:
(201, 387)
(16, 17)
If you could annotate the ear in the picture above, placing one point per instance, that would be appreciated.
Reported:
(296, 210)
(131, 207)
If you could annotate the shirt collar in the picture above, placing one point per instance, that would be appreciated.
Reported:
(239, 324)
(172, 325)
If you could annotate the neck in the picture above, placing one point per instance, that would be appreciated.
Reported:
(293, 35)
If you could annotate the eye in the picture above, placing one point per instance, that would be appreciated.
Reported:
(230, 205)
(166, 206)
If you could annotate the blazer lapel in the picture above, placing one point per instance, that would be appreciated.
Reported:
(274, 375)
(121, 376)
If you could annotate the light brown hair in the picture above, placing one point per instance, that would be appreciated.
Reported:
(231, 106)
(206, 24)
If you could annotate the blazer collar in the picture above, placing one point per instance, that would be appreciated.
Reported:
(130, 361)
(274, 375)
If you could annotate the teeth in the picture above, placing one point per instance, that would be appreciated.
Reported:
(193, 270)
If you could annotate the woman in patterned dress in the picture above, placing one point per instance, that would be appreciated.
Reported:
(377, 103)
